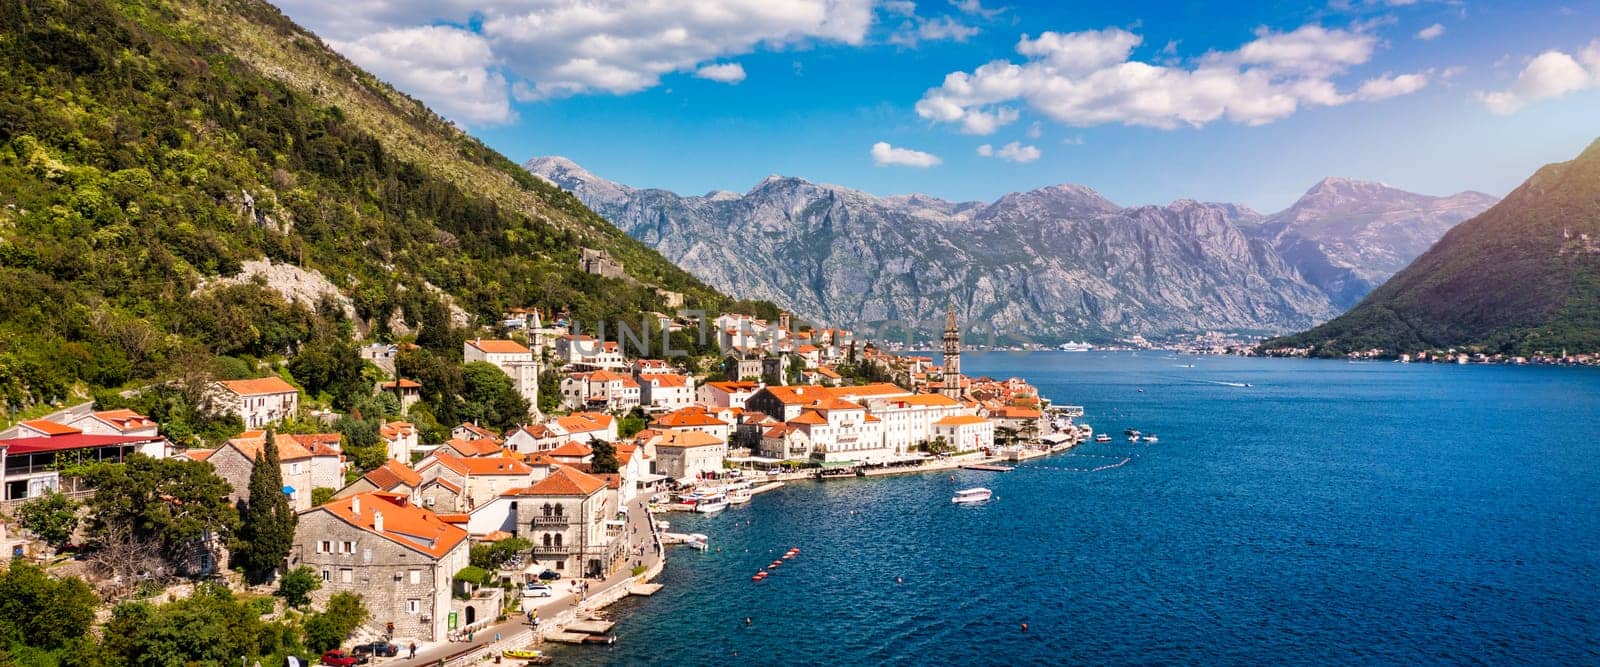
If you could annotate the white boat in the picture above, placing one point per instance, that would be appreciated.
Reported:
(1102, 438)
(711, 502)
(1073, 346)
(698, 541)
(1151, 438)
(970, 496)
(738, 496)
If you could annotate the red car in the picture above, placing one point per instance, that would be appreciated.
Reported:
(339, 658)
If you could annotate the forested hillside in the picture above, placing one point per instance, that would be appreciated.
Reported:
(147, 146)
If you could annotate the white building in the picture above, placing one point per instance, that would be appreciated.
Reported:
(665, 391)
(258, 402)
(513, 359)
(600, 390)
(584, 352)
(908, 420)
(726, 394)
(965, 432)
(840, 430)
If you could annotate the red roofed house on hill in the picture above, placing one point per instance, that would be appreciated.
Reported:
(305, 462)
(400, 558)
(258, 402)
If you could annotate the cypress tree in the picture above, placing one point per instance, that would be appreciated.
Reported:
(268, 530)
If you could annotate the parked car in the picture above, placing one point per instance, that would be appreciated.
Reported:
(380, 649)
(339, 658)
(537, 591)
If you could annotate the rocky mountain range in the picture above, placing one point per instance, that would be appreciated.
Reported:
(1053, 263)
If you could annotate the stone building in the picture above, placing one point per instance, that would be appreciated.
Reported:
(571, 518)
(599, 263)
(399, 558)
(258, 402)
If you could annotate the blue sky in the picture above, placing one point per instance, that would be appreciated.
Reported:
(1144, 102)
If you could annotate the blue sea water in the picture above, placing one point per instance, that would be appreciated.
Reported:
(1331, 513)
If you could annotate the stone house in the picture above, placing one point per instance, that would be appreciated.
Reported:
(303, 468)
(685, 455)
(391, 477)
(513, 359)
(473, 480)
(400, 558)
(571, 518)
(965, 432)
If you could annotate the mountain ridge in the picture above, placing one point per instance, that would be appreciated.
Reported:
(1231, 268)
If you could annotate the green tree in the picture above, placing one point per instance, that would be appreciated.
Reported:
(330, 364)
(329, 628)
(174, 502)
(362, 441)
(267, 532)
(550, 391)
(491, 555)
(37, 610)
(296, 585)
(490, 397)
(321, 495)
(210, 627)
(605, 457)
(53, 517)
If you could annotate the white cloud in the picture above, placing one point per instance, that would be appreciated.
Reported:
(539, 49)
(1088, 78)
(1014, 152)
(724, 72)
(1549, 75)
(1387, 86)
(901, 7)
(975, 8)
(885, 155)
(1035, 130)
(1431, 32)
(449, 68)
(919, 30)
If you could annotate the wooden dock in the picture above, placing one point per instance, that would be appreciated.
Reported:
(990, 467)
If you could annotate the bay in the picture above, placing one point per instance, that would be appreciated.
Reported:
(1330, 512)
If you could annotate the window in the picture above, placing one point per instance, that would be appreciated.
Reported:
(345, 575)
(349, 547)
(413, 606)
(416, 576)
(325, 575)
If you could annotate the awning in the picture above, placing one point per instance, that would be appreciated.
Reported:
(288, 490)
(652, 478)
(1055, 438)
(752, 459)
(829, 465)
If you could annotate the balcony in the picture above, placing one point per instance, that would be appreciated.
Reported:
(552, 550)
(556, 520)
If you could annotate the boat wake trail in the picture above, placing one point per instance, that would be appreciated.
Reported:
(1225, 384)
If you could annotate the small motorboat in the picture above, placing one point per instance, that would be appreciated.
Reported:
(522, 654)
(1102, 438)
(600, 639)
(738, 496)
(972, 496)
(1151, 438)
(1133, 438)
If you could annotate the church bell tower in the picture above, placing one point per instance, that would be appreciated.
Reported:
(952, 354)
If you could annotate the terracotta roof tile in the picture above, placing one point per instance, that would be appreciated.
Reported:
(404, 524)
(259, 386)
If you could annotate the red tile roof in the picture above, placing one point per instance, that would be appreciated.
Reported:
(403, 524)
(50, 428)
(562, 481)
(393, 474)
(56, 443)
(571, 450)
(688, 439)
(499, 346)
(259, 386)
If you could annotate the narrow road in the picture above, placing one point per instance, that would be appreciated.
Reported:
(638, 535)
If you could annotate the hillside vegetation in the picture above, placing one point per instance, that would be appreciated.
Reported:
(148, 145)
(1522, 278)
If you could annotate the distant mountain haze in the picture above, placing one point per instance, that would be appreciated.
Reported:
(1521, 278)
(1048, 264)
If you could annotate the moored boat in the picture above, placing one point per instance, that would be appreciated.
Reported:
(1102, 438)
(970, 496)
(739, 496)
(714, 502)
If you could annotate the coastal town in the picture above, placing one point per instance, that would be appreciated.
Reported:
(482, 540)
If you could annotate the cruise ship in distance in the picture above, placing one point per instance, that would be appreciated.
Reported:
(1071, 346)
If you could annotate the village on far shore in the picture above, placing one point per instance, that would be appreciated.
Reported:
(572, 488)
